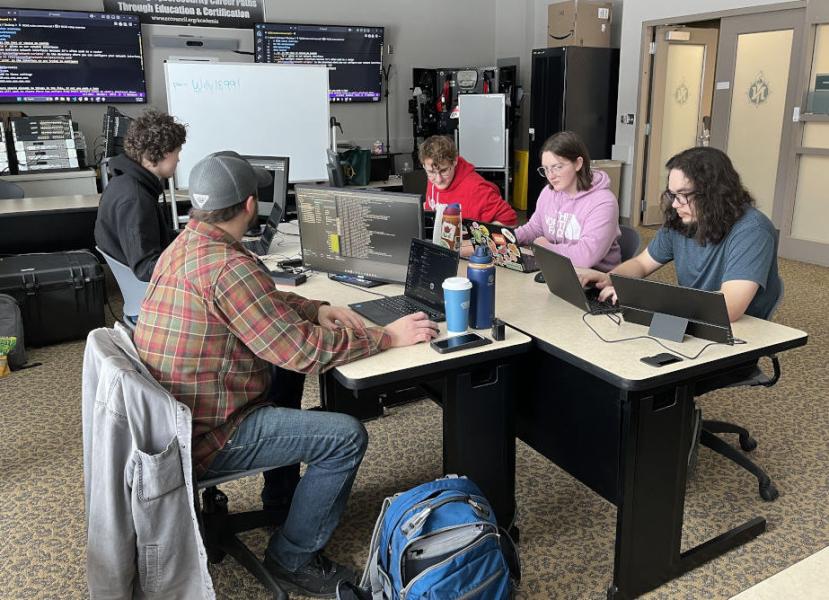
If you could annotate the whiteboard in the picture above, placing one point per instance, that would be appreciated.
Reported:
(481, 125)
(254, 109)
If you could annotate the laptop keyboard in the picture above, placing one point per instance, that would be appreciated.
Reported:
(403, 306)
(596, 306)
(253, 245)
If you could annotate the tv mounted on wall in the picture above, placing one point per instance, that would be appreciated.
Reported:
(352, 53)
(49, 56)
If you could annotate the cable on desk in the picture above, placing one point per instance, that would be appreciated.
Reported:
(653, 339)
(362, 289)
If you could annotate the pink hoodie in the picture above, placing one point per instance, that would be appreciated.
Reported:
(584, 227)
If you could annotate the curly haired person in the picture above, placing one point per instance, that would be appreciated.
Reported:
(132, 226)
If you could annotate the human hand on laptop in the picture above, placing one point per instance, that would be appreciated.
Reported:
(593, 278)
(412, 329)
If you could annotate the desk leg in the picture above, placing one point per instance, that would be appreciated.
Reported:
(649, 518)
(479, 433)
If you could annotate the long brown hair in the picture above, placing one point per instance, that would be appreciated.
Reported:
(569, 145)
(719, 196)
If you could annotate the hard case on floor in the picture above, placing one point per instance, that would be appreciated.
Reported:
(61, 294)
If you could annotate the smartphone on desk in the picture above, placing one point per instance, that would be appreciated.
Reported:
(459, 342)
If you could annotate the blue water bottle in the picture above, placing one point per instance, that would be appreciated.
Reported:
(481, 272)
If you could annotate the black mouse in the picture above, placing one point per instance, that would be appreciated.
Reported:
(539, 277)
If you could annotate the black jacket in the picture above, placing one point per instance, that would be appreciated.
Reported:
(132, 226)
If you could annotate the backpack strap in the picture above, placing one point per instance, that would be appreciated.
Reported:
(371, 578)
(510, 553)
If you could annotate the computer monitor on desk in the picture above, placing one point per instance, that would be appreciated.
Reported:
(277, 191)
(357, 232)
(673, 310)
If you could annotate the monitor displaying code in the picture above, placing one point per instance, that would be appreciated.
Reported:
(353, 55)
(70, 56)
(357, 232)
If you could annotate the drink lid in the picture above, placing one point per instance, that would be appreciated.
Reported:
(457, 283)
(481, 256)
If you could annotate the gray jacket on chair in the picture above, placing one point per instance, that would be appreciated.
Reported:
(138, 480)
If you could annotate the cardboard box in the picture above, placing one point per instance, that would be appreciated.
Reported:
(579, 23)
(613, 168)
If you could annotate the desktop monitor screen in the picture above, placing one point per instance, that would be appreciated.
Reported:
(277, 191)
(357, 232)
(68, 56)
(353, 55)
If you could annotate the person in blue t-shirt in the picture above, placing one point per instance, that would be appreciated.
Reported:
(716, 238)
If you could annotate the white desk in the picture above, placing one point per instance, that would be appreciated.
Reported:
(48, 224)
(621, 427)
(40, 184)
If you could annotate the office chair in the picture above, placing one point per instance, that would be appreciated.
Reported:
(220, 530)
(106, 172)
(10, 191)
(132, 288)
(629, 241)
(752, 375)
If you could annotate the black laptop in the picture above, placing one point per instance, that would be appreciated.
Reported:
(262, 245)
(429, 265)
(562, 281)
(502, 244)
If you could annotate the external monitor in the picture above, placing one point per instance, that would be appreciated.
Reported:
(277, 192)
(648, 302)
(352, 53)
(365, 233)
(70, 56)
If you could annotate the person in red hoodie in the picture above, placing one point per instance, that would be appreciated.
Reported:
(452, 179)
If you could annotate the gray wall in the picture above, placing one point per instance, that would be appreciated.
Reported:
(423, 34)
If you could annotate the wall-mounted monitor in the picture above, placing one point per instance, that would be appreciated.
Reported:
(353, 55)
(70, 56)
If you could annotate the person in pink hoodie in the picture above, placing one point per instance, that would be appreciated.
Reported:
(576, 215)
(452, 179)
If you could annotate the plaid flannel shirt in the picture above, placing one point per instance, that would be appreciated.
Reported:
(212, 321)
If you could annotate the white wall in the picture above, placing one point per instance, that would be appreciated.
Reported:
(428, 33)
(635, 13)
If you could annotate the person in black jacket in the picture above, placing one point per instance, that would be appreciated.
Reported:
(132, 226)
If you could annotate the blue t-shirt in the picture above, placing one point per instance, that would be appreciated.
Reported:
(748, 252)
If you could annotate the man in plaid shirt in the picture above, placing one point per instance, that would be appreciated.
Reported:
(216, 333)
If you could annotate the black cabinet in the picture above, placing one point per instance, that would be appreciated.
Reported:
(573, 89)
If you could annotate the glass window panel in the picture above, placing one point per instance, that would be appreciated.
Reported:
(819, 81)
(816, 135)
(811, 204)
(683, 92)
(758, 102)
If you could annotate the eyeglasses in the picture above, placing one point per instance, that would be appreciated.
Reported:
(680, 197)
(549, 170)
(435, 173)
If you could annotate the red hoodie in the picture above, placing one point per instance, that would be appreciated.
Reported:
(479, 198)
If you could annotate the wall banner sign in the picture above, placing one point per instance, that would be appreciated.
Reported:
(238, 14)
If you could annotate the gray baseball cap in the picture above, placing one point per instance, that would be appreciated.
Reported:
(223, 179)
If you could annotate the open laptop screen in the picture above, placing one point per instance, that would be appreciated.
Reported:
(429, 265)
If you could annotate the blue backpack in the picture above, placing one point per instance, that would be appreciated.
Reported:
(437, 540)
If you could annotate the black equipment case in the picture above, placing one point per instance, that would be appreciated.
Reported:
(61, 294)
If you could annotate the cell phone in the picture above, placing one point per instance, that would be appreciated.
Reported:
(459, 342)
(660, 360)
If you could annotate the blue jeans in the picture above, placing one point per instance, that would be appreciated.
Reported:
(331, 444)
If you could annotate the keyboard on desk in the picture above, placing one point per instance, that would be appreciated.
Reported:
(596, 306)
(385, 310)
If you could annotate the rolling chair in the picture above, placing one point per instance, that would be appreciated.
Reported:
(106, 172)
(751, 375)
(220, 530)
(132, 288)
(629, 241)
(10, 191)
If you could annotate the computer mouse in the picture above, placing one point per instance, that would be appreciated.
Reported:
(539, 277)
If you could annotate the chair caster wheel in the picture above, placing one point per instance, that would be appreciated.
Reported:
(748, 443)
(768, 491)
